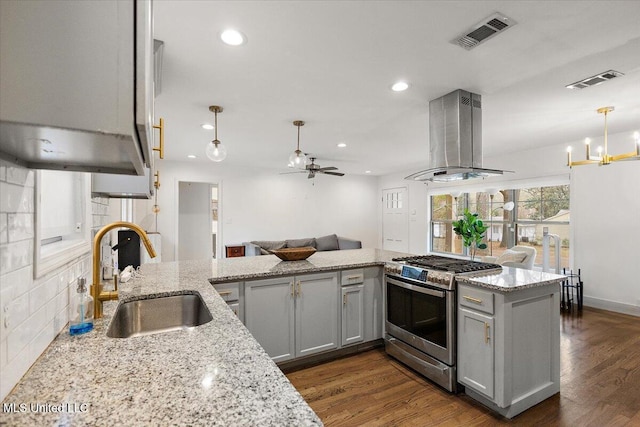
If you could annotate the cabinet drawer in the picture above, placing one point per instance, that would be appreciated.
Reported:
(352, 277)
(228, 291)
(476, 299)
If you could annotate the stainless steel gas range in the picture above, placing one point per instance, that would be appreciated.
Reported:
(420, 313)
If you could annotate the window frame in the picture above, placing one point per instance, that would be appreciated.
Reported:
(62, 251)
(513, 223)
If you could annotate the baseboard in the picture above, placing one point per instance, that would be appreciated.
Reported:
(316, 359)
(618, 307)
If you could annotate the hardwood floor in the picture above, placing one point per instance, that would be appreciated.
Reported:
(600, 384)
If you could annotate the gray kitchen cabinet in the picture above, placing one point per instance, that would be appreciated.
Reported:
(352, 314)
(476, 351)
(231, 293)
(508, 346)
(316, 313)
(373, 303)
(370, 308)
(293, 316)
(270, 315)
(77, 85)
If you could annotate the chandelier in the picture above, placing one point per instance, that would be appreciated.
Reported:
(603, 157)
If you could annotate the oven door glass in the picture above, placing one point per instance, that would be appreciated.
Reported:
(421, 312)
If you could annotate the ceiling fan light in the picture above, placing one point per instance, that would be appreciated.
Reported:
(216, 151)
(297, 159)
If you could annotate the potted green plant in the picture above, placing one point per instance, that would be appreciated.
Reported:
(472, 231)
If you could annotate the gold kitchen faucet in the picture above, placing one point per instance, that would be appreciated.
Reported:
(99, 296)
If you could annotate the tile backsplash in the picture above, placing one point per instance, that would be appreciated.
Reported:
(32, 311)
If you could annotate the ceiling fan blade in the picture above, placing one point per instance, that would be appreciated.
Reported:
(333, 173)
(329, 168)
(286, 173)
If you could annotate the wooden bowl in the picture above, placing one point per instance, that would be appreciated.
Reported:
(294, 254)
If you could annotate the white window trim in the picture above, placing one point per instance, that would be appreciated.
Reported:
(64, 251)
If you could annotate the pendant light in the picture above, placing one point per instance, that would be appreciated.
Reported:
(297, 159)
(216, 150)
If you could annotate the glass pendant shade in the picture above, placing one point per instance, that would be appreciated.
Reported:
(297, 159)
(216, 151)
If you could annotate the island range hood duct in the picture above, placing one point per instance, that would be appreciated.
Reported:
(455, 139)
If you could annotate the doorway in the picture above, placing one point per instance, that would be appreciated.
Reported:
(198, 225)
(395, 220)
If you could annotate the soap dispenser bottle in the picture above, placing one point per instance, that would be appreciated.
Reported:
(81, 315)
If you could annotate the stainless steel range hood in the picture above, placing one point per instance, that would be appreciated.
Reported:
(455, 139)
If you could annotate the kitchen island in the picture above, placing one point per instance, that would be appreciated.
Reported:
(509, 338)
(213, 374)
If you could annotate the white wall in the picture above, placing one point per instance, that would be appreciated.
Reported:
(605, 218)
(265, 205)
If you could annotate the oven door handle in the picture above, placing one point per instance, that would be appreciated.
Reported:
(422, 290)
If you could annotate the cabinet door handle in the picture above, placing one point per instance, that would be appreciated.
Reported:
(299, 288)
(353, 277)
(224, 293)
(472, 299)
(344, 299)
(235, 311)
(486, 333)
(291, 284)
(161, 147)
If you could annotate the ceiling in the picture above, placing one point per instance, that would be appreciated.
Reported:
(332, 63)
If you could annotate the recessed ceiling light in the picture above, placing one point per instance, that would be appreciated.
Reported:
(233, 37)
(342, 145)
(207, 126)
(400, 86)
(191, 156)
(367, 171)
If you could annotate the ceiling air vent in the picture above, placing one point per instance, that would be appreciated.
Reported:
(595, 80)
(484, 30)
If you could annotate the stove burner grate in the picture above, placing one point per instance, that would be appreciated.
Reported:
(440, 263)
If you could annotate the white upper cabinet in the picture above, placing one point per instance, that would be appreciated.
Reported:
(77, 85)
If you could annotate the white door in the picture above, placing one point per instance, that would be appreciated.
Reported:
(395, 220)
(194, 221)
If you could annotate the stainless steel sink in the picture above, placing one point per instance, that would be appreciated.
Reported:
(158, 314)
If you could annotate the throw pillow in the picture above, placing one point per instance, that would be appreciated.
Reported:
(327, 243)
(299, 243)
(268, 245)
(511, 256)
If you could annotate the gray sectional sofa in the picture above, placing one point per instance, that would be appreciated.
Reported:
(330, 242)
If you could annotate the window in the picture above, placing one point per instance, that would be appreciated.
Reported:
(62, 220)
(536, 209)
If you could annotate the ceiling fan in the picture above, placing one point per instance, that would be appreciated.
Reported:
(299, 159)
(312, 169)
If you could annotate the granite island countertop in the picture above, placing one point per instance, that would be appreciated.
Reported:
(512, 279)
(213, 374)
(266, 266)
